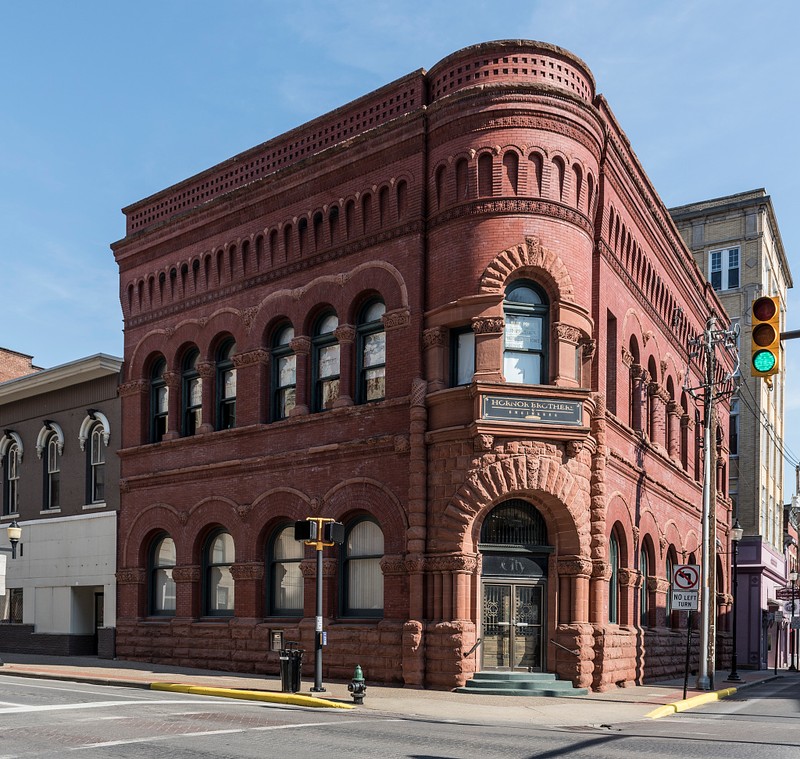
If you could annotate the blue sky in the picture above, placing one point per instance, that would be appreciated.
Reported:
(103, 103)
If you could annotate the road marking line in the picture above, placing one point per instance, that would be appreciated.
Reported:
(98, 705)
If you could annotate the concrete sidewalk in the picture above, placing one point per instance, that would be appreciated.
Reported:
(614, 707)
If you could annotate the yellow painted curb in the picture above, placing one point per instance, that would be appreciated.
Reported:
(690, 703)
(252, 695)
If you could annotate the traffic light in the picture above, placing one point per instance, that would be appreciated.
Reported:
(766, 337)
(306, 529)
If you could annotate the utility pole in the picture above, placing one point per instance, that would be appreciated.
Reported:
(704, 348)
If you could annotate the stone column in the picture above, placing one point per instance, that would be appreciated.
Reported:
(674, 431)
(173, 382)
(187, 591)
(566, 356)
(301, 345)
(132, 587)
(658, 404)
(346, 335)
(252, 386)
(135, 397)
(598, 593)
(578, 570)
(249, 589)
(207, 370)
(434, 343)
(628, 582)
(488, 348)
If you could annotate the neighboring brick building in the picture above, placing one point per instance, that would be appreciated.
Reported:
(737, 243)
(13, 365)
(60, 431)
(453, 315)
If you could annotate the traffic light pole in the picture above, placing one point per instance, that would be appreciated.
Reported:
(705, 349)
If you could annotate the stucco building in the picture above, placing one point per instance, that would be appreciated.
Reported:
(737, 244)
(453, 315)
(60, 431)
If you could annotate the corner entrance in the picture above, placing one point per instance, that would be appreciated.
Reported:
(515, 555)
(512, 626)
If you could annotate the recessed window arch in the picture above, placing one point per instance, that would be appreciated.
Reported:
(284, 372)
(371, 352)
(485, 167)
(218, 557)
(226, 385)
(325, 362)
(159, 401)
(362, 576)
(192, 393)
(613, 581)
(514, 523)
(525, 309)
(11, 451)
(52, 472)
(162, 596)
(285, 590)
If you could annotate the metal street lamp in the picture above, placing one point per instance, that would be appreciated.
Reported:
(14, 532)
(736, 535)
(792, 640)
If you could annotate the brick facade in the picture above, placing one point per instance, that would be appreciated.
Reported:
(13, 365)
(437, 195)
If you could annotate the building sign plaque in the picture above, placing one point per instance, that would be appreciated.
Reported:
(510, 408)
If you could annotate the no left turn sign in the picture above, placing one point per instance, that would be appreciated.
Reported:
(686, 577)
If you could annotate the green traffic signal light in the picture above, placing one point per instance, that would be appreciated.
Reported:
(763, 361)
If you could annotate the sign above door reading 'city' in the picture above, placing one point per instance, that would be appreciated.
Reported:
(510, 408)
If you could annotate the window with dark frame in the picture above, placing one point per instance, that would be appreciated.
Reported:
(52, 462)
(613, 583)
(371, 352)
(525, 309)
(218, 558)
(162, 584)
(284, 373)
(285, 578)
(192, 396)
(159, 402)
(325, 362)
(11, 480)
(97, 464)
(226, 386)
(362, 576)
(462, 356)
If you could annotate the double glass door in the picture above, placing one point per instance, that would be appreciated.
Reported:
(513, 623)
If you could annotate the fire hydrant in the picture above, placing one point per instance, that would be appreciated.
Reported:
(358, 686)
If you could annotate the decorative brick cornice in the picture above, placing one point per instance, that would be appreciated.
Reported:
(393, 565)
(568, 333)
(396, 319)
(253, 570)
(488, 325)
(251, 358)
(134, 387)
(574, 566)
(345, 333)
(451, 563)
(131, 576)
(187, 573)
(434, 337)
(300, 344)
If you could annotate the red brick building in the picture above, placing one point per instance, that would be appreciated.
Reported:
(453, 315)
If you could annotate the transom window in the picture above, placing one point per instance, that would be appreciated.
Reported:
(525, 337)
(514, 522)
(371, 340)
(162, 584)
(723, 268)
(325, 348)
(226, 386)
(284, 373)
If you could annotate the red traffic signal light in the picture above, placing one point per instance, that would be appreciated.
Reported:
(766, 337)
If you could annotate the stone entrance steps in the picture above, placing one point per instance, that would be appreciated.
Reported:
(520, 684)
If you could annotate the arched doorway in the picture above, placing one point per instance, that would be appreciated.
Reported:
(515, 551)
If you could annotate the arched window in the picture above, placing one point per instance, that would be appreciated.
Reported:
(162, 586)
(511, 172)
(525, 338)
(159, 402)
(485, 164)
(96, 461)
(670, 569)
(192, 395)
(371, 352)
(284, 373)
(613, 582)
(226, 386)
(325, 362)
(285, 578)
(218, 559)
(514, 523)
(644, 569)
(52, 472)
(362, 575)
(11, 461)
